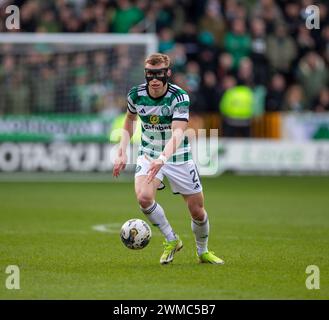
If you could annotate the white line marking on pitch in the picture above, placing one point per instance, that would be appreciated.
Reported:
(108, 228)
(114, 228)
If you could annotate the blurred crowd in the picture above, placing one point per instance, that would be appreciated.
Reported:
(56, 78)
(215, 45)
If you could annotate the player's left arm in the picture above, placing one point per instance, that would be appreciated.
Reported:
(178, 128)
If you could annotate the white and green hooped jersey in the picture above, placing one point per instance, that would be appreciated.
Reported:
(156, 116)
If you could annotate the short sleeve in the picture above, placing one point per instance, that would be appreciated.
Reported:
(130, 103)
(181, 107)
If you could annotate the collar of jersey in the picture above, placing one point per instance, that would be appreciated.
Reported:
(158, 98)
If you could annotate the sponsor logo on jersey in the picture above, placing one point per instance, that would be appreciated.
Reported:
(181, 109)
(157, 127)
(154, 119)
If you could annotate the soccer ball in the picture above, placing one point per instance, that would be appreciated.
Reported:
(135, 234)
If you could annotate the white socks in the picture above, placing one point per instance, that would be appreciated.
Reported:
(201, 233)
(156, 216)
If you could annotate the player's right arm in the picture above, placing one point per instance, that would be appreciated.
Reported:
(127, 132)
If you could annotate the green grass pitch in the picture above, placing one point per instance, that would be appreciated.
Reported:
(267, 229)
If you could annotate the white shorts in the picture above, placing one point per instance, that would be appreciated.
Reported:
(183, 178)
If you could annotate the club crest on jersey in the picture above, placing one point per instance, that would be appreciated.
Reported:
(165, 111)
(154, 119)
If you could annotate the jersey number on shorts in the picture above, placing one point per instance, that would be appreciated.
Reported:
(194, 176)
